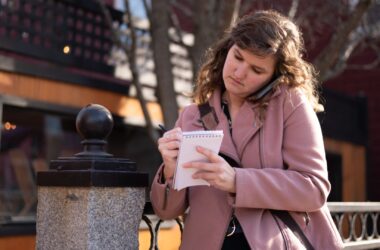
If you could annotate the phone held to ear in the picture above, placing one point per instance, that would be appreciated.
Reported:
(265, 89)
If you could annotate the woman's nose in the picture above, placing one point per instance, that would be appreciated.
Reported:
(240, 72)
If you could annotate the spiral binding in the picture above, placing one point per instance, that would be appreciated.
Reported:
(203, 134)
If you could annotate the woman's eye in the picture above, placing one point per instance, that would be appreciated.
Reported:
(257, 71)
(239, 58)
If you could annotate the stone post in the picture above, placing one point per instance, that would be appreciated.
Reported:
(91, 200)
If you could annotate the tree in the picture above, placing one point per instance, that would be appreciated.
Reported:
(333, 59)
(129, 47)
(211, 18)
(159, 19)
(206, 31)
(347, 26)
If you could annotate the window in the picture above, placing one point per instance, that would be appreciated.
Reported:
(30, 138)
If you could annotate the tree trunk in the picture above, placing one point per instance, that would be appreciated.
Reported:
(162, 65)
(211, 18)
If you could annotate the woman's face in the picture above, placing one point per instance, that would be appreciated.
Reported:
(244, 72)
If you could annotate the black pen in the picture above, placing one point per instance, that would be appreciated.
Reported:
(162, 128)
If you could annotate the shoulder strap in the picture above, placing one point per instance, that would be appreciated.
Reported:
(204, 109)
(208, 116)
(292, 224)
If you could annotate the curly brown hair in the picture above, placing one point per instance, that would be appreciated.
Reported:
(262, 33)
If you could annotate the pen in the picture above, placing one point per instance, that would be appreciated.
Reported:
(162, 128)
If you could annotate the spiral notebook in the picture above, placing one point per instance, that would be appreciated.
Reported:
(210, 139)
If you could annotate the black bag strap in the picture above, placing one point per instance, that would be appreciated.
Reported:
(208, 116)
(204, 109)
(292, 224)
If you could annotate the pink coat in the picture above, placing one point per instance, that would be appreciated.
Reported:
(284, 167)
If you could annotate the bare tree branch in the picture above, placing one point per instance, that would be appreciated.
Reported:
(116, 34)
(329, 56)
(176, 25)
(236, 12)
(184, 9)
(371, 65)
(372, 22)
(344, 54)
(130, 51)
(317, 19)
(148, 10)
(293, 9)
(368, 30)
(135, 76)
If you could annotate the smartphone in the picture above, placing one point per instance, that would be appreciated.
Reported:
(265, 89)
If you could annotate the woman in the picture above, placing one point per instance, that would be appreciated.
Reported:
(269, 183)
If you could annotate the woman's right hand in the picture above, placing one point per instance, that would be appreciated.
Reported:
(168, 146)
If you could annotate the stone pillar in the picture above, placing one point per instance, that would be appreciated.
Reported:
(91, 200)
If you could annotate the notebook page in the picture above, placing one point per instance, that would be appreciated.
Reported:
(210, 139)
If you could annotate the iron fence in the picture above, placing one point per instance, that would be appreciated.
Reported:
(357, 222)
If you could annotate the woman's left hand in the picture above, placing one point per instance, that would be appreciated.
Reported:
(217, 171)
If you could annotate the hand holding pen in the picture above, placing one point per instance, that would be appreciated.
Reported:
(168, 146)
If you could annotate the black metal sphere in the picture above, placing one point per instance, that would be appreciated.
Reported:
(94, 122)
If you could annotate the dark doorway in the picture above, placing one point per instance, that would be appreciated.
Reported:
(334, 167)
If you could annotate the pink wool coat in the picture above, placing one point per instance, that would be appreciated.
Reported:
(283, 167)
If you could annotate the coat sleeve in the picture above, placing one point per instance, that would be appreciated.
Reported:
(168, 203)
(301, 184)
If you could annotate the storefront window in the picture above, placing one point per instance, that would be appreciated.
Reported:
(30, 138)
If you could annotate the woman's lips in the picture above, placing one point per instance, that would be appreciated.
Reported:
(236, 81)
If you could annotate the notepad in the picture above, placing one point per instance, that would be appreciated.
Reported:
(210, 139)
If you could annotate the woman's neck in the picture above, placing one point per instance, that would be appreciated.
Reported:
(233, 100)
(234, 103)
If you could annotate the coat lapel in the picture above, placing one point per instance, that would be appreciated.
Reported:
(216, 120)
(245, 126)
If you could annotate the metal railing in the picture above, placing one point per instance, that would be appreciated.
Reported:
(154, 227)
(358, 224)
